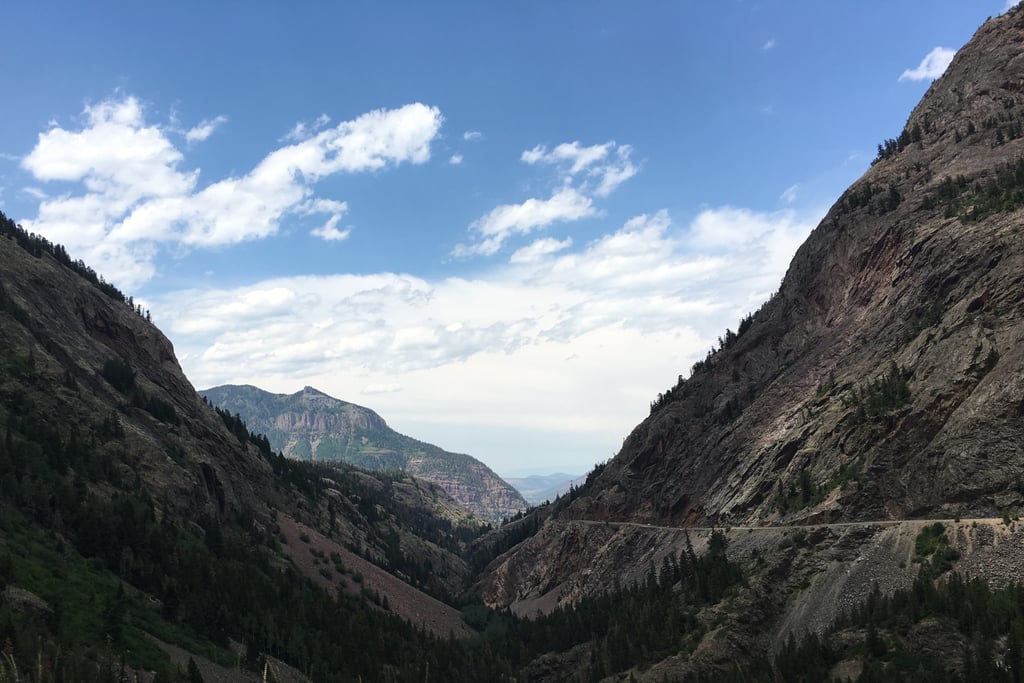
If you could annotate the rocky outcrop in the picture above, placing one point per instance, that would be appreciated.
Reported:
(310, 425)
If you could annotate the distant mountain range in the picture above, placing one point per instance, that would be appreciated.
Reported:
(310, 425)
(538, 488)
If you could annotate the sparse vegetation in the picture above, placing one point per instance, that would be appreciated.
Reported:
(798, 494)
(878, 396)
(932, 545)
(678, 390)
(893, 146)
(972, 199)
(37, 245)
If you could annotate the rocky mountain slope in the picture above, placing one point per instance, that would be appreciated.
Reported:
(884, 380)
(310, 425)
(137, 522)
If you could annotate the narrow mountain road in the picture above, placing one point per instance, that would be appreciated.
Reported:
(784, 527)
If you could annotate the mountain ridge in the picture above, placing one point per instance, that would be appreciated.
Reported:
(311, 425)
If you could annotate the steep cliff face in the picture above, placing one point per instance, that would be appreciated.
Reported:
(310, 425)
(884, 380)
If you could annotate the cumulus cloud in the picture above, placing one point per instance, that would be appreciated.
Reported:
(472, 135)
(648, 274)
(455, 159)
(567, 204)
(650, 291)
(931, 67)
(204, 129)
(135, 196)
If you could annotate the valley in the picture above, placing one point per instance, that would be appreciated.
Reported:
(833, 493)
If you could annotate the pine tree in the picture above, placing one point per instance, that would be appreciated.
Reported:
(194, 676)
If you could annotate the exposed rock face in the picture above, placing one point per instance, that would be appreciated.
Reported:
(310, 425)
(885, 379)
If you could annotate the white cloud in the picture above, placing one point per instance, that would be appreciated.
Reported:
(616, 172)
(302, 130)
(789, 194)
(204, 129)
(1010, 4)
(135, 195)
(633, 309)
(931, 67)
(608, 165)
(472, 135)
(567, 204)
(578, 157)
(329, 231)
(587, 172)
(539, 249)
(319, 205)
(388, 388)
(769, 44)
(455, 159)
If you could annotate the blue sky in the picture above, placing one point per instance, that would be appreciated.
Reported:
(504, 226)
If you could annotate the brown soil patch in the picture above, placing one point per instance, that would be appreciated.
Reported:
(403, 600)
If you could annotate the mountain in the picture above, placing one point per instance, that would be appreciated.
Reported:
(141, 526)
(834, 493)
(538, 488)
(883, 382)
(310, 425)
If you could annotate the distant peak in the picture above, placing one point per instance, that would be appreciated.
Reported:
(320, 397)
